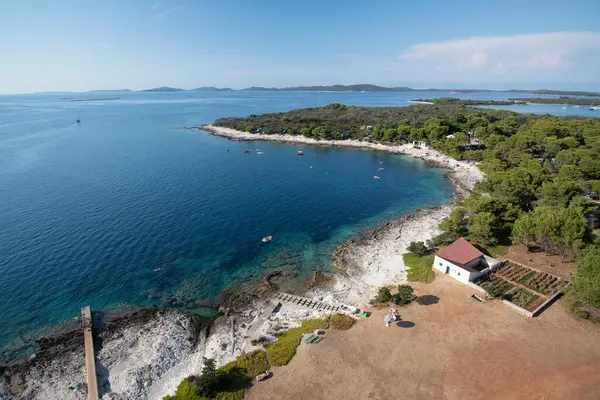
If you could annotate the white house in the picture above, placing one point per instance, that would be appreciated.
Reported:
(462, 261)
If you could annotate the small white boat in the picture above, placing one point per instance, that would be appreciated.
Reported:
(376, 177)
(379, 169)
(267, 239)
(300, 153)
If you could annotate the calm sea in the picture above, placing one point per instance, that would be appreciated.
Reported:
(129, 207)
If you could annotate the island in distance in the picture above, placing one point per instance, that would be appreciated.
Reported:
(370, 88)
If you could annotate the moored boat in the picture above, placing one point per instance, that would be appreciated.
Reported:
(267, 239)
(300, 153)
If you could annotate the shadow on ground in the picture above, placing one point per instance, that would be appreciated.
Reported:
(405, 324)
(428, 299)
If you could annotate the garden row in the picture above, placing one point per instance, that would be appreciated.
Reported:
(497, 286)
(540, 282)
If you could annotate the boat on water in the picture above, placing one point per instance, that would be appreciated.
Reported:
(376, 177)
(78, 121)
(267, 239)
(300, 153)
(246, 151)
(379, 169)
(594, 108)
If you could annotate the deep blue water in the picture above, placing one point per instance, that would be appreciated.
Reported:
(129, 207)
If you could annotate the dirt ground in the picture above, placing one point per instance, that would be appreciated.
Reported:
(452, 348)
(539, 260)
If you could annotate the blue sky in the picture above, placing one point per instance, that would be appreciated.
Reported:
(112, 44)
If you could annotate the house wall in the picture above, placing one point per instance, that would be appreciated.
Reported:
(455, 272)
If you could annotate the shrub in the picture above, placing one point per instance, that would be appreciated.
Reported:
(237, 395)
(340, 322)
(185, 391)
(253, 363)
(418, 248)
(281, 351)
(404, 295)
(383, 296)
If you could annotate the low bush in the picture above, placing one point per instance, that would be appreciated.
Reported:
(340, 322)
(281, 351)
(253, 363)
(185, 391)
(225, 383)
(237, 395)
(383, 296)
(404, 295)
(419, 268)
(418, 248)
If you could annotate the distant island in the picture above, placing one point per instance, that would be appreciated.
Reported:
(371, 88)
(93, 99)
(333, 88)
(580, 101)
(110, 90)
(163, 89)
(366, 88)
(211, 89)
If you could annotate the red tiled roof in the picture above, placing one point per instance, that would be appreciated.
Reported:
(460, 252)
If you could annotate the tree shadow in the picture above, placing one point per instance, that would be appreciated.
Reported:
(405, 324)
(428, 299)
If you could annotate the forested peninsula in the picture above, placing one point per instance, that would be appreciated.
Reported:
(581, 101)
(467, 102)
(542, 173)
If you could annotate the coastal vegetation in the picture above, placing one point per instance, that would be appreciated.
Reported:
(582, 101)
(542, 173)
(404, 294)
(226, 383)
(282, 350)
(383, 296)
(467, 102)
(231, 380)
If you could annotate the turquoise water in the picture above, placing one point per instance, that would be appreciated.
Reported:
(129, 207)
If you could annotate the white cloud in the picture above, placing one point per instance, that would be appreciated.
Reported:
(504, 54)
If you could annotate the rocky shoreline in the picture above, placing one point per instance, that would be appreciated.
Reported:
(145, 354)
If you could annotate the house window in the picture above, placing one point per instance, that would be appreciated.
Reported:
(459, 274)
(441, 264)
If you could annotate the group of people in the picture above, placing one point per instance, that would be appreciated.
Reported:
(393, 316)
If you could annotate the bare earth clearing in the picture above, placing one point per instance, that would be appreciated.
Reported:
(456, 349)
(552, 264)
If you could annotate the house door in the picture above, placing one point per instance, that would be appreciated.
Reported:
(447, 269)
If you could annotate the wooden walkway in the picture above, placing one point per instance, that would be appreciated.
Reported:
(303, 302)
(90, 360)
